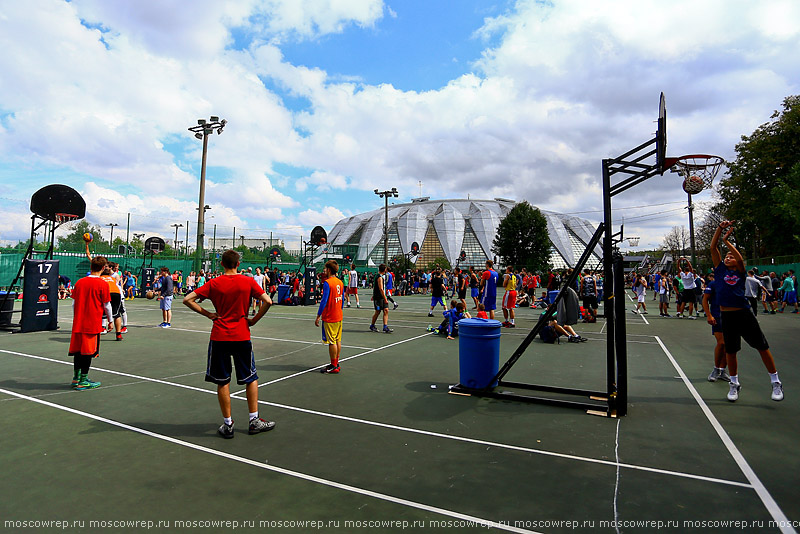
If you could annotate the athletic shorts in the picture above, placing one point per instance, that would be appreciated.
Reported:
(790, 297)
(640, 298)
(437, 300)
(166, 303)
(473, 292)
(688, 296)
(218, 368)
(742, 324)
(663, 297)
(353, 291)
(81, 344)
(462, 294)
(590, 301)
(489, 303)
(116, 305)
(510, 300)
(380, 305)
(331, 332)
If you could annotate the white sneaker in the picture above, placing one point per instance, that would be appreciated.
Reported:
(724, 376)
(733, 394)
(715, 374)
(777, 391)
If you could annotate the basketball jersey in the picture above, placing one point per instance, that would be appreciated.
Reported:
(330, 307)
(589, 287)
(112, 283)
(353, 278)
(511, 284)
(490, 289)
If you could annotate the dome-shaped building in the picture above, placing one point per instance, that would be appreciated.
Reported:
(443, 228)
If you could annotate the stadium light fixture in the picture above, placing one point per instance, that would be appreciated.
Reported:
(202, 131)
(385, 195)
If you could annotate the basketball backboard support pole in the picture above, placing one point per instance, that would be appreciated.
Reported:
(56, 204)
(614, 401)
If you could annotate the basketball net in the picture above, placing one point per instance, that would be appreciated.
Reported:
(633, 241)
(701, 166)
(67, 220)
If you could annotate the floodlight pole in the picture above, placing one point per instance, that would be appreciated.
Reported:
(691, 231)
(202, 131)
(111, 238)
(175, 243)
(385, 195)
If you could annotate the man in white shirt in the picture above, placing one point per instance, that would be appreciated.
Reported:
(686, 273)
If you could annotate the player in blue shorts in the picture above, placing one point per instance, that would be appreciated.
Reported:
(489, 288)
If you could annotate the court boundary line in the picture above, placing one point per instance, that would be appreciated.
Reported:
(280, 470)
(766, 498)
(208, 332)
(370, 351)
(409, 429)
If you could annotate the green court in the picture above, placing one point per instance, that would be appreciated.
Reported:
(383, 446)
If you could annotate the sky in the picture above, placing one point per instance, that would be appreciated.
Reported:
(326, 100)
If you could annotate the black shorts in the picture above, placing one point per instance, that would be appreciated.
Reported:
(590, 301)
(116, 305)
(380, 305)
(218, 368)
(688, 296)
(742, 324)
(462, 294)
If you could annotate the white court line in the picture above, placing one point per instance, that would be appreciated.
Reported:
(770, 504)
(406, 429)
(275, 469)
(341, 360)
(207, 332)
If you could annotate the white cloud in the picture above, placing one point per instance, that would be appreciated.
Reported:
(327, 216)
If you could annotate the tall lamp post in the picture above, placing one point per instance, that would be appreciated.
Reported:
(111, 239)
(175, 243)
(385, 195)
(137, 236)
(203, 129)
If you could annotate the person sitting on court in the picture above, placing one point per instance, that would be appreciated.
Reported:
(482, 311)
(449, 325)
(541, 302)
(553, 331)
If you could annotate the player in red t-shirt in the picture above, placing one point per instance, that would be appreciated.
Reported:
(330, 311)
(90, 299)
(230, 337)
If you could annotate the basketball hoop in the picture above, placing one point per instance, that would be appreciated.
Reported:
(698, 171)
(633, 241)
(66, 219)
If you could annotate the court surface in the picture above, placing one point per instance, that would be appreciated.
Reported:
(383, 446)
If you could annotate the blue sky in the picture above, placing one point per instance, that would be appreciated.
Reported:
(329, 100)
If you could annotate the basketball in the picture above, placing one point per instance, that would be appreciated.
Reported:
(693, 185)
(150, 295)
(322, 240)
(87, 237)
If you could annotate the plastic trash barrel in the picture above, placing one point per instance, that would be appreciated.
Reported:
(283, 292)
(551, 296)
(478, 352)
(5, 317)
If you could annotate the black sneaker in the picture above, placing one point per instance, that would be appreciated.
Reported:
(259, 425)
(329, 369)
(226, 431)
(387, 330)
(430, 314)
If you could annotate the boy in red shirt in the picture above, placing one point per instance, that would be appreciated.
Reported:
(230, 337)
(90, 299)
(330, 311)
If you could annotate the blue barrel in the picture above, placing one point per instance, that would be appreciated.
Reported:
(551, 296)
(478, 352)
(283, 292)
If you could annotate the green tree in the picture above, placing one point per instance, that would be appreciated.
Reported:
(73, 241)
(438, 262)
(522, 239)
(761, 189)
(400, 263)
